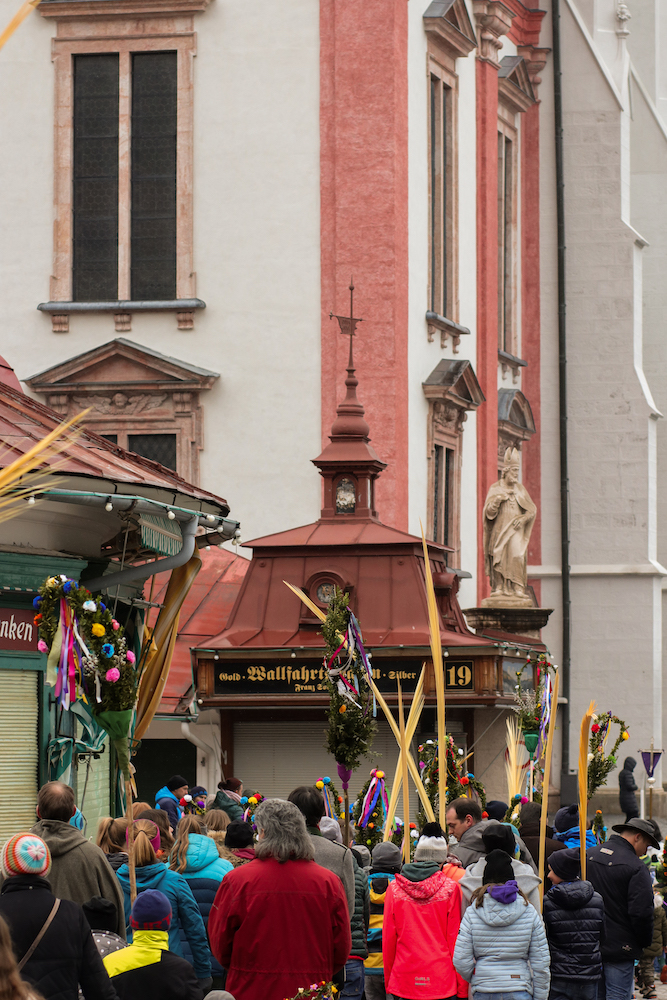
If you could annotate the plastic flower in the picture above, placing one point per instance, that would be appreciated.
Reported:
(42, 647)
(379, 774)
(590, 757)
(36, 603)
(595, 728)
(69, 585)
(115, 625)
(107, 649)
(343, 709)
(252, 801)
(103, 607)
(89, 606)
(130, 656)
(37, 619)
(98, 630)
(626, 735)
(465, 780)
(113, 674)
(51, 582)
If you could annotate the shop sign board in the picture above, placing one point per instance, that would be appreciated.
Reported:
(18, 631)
(292, 676)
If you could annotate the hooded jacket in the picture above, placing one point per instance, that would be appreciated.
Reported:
(527, 880)
(224, 802)
(624, 882)
(502, 948)
(470, 847)
(627, 786)
(79, 869)
(659, 942)
(147, 968)
(164, 799)
(66, 955)
(361, 915)
(204, 873)
(184, 911)
(378, 882)
(574, 922)
(422, 915)
(277, 927)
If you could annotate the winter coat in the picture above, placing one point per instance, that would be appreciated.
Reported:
(184, 911)
(624, 883)
(337, 859)
(79, 869)
(574, 922)
(659, 943)
(218, 838)
(243, 854)
(277, 927)
(422, 915)
(530, 834)
(528, 882)
(66, 955)
(627, 786)
(228, 805)
(204, 873)
(572, 837)
(470, 847)
(362, 913)
(147, 969)
(502, 948)
(164, 799)
(116, 860)
(377, 885)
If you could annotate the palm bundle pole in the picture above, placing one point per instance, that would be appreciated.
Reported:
(412, 767)
(545, 781)
(406, 790)
(436, 656)
(583, 784)
(411, 725)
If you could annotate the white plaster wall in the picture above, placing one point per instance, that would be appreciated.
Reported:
(422, 355)
(257, 247)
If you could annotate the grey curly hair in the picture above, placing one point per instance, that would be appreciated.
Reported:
(285, 835)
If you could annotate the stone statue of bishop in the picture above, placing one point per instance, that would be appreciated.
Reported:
(509, 515)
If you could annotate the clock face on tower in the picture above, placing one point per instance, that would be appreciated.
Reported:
(345, 497)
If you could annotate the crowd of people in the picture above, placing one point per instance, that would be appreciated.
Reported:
(269, 909)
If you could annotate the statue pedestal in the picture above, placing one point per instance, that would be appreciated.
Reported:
(516, 621)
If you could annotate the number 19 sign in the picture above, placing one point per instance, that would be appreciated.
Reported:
(460, 675)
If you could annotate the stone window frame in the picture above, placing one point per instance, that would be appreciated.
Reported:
(508, 128)
(123, 27)
(447, 244)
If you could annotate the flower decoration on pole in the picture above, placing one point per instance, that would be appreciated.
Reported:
(316, 991)
(370, 810)
(599, 765)
(333, 802)
(351, 711)
(460, 783)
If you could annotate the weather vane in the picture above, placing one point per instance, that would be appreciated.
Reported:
(348, 324)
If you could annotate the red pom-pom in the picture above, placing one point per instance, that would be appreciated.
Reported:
(465, 780)
(485, 815)
(413, 826)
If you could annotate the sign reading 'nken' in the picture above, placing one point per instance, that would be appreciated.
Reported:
(17, 630)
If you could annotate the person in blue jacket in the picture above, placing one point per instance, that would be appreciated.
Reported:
(566, 828)
(169, 798)
(195, 857)
(153, 874)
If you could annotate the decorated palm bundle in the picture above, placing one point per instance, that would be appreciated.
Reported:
(250, 803)
(370, 810)
(351, 712)
(316, 991)
(333, 802)
(459, 782)
(598, 764)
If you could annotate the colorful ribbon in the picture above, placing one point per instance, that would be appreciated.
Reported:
(376, 791)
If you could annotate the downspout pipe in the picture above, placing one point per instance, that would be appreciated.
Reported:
(562, 387)
(134, 573)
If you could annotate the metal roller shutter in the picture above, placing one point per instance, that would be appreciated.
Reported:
(19, 749)
(275, 757)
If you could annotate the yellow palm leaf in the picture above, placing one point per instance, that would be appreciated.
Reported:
(513, 766)
(436, 656)
(583, 784)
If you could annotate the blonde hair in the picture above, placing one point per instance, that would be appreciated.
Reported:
(139, 807)
(478, 895)
(111, 835)
(144, 832)
(12, 986)
(216, 820)
(178, 859)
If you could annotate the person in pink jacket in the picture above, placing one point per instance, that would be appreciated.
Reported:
(422, 915)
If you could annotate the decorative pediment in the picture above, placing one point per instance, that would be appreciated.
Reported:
(115, 8)
(452, 389)
(118, 366)
(515, 419)
(449, 23)
(514, 85)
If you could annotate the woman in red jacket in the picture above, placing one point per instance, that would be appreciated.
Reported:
(279, 923)
(422, 915)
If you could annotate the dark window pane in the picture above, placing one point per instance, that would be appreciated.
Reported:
(95, 179)
(110, 437)
(154, 93)
(447, 512)
(434, 181)
(437, 493)
(158, 447)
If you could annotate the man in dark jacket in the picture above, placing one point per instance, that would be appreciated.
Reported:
(79, 869)
(147, 968)
(574, 922)
(529, 827)
(66, 954)
(622, 879)
(627, 788)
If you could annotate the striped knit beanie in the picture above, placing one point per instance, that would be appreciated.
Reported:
(25, 854)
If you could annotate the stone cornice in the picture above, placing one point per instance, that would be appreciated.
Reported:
(526, 25)
(69, 9)
(448, 23)
(494, 19)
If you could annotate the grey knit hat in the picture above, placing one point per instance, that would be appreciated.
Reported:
(432, 849)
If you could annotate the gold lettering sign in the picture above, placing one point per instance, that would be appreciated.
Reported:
(460, 675)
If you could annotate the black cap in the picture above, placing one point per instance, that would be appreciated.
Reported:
(101, 914)
(177, 781)
(498, 868)
(648, 827)
(498, 837)
(565, 864)
(238, 834)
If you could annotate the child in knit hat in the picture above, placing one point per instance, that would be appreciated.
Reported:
(146, 968)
